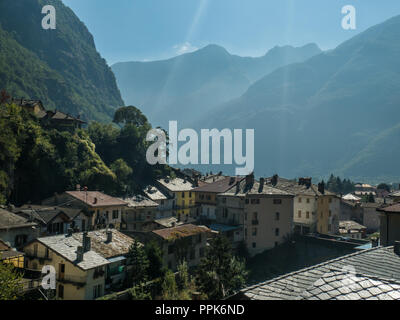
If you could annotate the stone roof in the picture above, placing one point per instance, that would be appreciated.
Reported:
(293, 186)
(96, 198)
(395, 194)
(379, 262)
(395, 208)
(344, 286)
(173, 221)
(219, 186)
(177, 184)
(101, 250)
(351, 197)
(46, 214)
(140, 201)
(255, 188)
(9, 220)
(182, 231)
(154, 193)
(349, 225)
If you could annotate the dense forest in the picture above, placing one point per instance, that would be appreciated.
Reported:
(36, 162)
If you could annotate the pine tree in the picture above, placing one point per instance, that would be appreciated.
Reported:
(140, 263)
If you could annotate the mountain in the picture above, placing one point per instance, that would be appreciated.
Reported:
(188, 86)
(61, 67)
(336, 112)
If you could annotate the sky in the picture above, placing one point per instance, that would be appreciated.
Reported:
(146, 30)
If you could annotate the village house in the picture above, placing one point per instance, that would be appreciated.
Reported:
(395, 196)
(186, 242)
(352, 229)
(364, 189)
(370, 216)
(165, 200)
(315, 208)
(53, 220)
(372, 274)
(16, 231)
(139, 215)
(390, 224)
(256, 213)
(87, 264)
(101, 210)
(180, 189)
(9, 255)
(206, 197)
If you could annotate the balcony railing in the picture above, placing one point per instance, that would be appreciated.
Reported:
(78, 280)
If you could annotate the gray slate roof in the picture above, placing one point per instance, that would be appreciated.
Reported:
(379, 262)
(342, 286)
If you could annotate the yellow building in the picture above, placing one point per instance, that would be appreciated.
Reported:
(86, 264)
(181, 190)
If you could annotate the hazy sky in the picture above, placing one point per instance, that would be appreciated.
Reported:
(128, 30)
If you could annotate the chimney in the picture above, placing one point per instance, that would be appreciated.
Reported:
(231, 180)
(274, 180)
(261, 187)
(86, 241)
(79, 254)
(397, 247)
(321, 187)
(237, 186)
(109, 236)
(374, 242)
(250, 179)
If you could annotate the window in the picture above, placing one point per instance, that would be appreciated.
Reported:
(190, 194)
(329, 227)
(97, 291)
(247, 201)
(192, 254)
(277, 232)
(255, 201)
(307, 214)
(223, 200)
(254, 233)
(199, 238)
(276, 243)
(308, 200)
(254, 245)
(170, 249)
(35, 250)
(224, 212)
(245, 233)
(254, 215)
(183, 194)
(169, 265)
(201, 252)
(162, 202)
(299, 200)
(299, 214)
(277, 201)
(46, 252)
(330, 213)
(330, 200)
(277, 216)
(61, 291)
(115, 214)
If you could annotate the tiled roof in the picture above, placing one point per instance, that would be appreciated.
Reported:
(96, 198)
(180, 231)
(380, 262)
(154, 193)
(9, 220)
(256, 188)
(393, 208)
(177, 184)
(101, 250)
(294, 187)
(350, 225)
(140, 201)
(219, 186)
(344, 286)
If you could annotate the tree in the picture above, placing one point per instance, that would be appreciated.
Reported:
(130, 115)
(140, 264)
(10, 282)
(220, 273)
(154, 255)
(169, 287)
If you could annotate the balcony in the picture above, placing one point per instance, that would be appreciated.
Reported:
(71, 279)
(254, 222)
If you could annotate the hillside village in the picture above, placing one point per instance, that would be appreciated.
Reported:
(88, 236)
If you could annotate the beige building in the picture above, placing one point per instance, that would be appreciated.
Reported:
(139, 215)
(315, 208)
(352, 229)
(186, 242)
(101, 210)
(87, 264)
(165, 200)
(264, 214)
